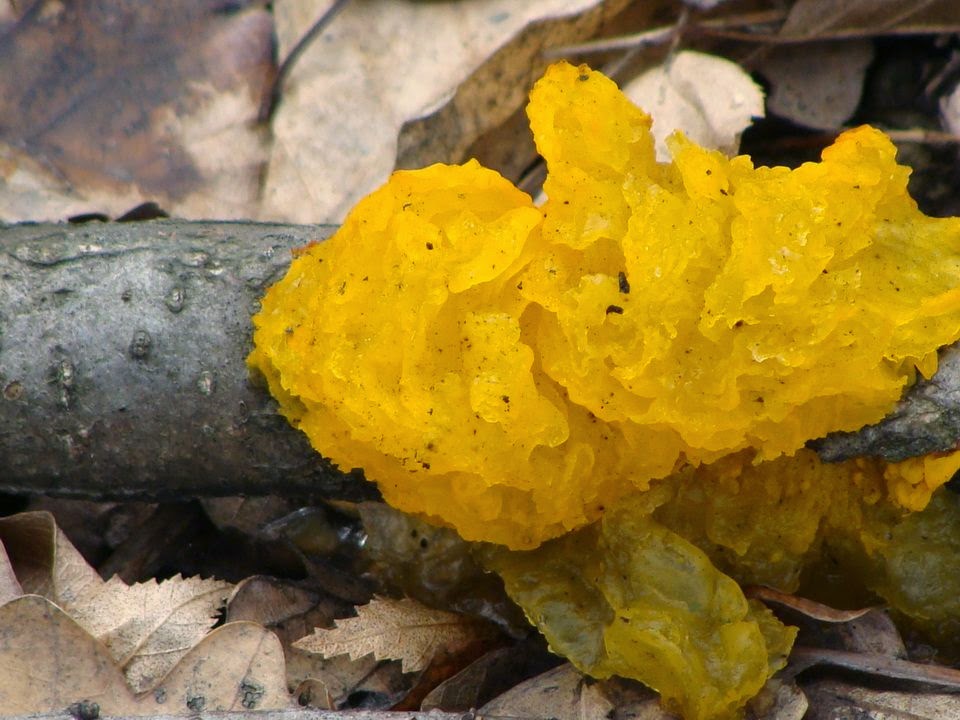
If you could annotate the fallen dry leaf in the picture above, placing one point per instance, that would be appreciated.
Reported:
(106, 105)
(778, 700)
(805, 606)
(877, 666)
(833, 700)
(247, 514)
(313, 693)
(814, 18)
(875, 632)
(145, 627)
(44, 561)
(150, 626)
(950, 110)
(498, 88)
(401, 630)
(10, 588)
(434, 565)
(491, 675)
(338, 681)
(238, 666)
(382, 63)
(288, 609)
(464, 690)
(292, 612)
(570, 696)
(50, 662)
(807, 87)
(710, 99)
(865, 635)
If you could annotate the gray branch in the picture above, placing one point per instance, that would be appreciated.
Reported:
(926, 420)
(122, 371)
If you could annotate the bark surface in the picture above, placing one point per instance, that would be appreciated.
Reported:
(122, 372)
(926, 420)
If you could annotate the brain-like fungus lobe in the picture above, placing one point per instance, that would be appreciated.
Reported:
(511, 371)
(663, 337)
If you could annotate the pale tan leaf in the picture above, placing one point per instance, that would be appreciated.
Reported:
(778, 700)
(381, 63)
(401, 630)
(875, 632)
(807, 88)
(238, 666)
(571, 696)
(44, 560)
(812, 18)
(291, 612)
(710, 99)
(950, 110)
(149, 626)
(881, 666)
(806, 606)
(9, 585)
(48, 662)
(833, 699)
(288, 609)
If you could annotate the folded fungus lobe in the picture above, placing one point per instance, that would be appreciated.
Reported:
(511, 370)
(663, 337)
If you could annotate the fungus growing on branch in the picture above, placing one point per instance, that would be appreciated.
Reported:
(658, 337)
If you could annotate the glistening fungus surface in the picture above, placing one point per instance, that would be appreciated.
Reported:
(511, 370)
(651, 348)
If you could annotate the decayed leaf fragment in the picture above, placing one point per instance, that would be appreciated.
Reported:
(401, 630)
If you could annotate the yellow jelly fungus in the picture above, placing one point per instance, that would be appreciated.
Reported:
(654, 346)
(765, 523)
(403, 345)
(629, 597)
(510, 371)
(649, 591)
